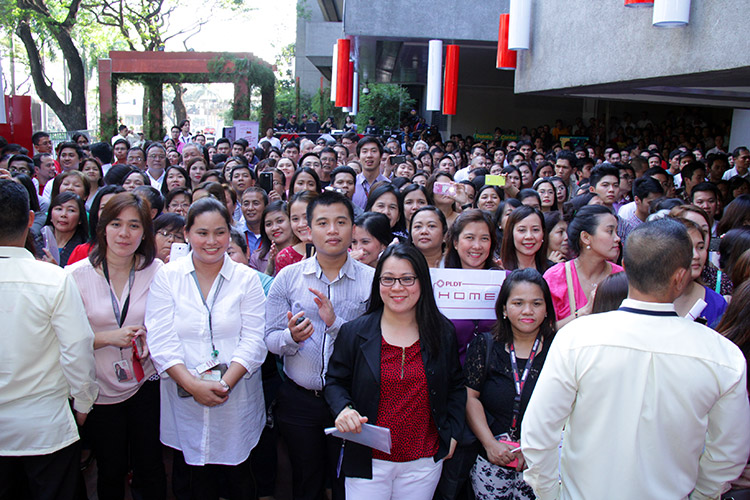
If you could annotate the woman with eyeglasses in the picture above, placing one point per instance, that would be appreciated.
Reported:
(168, 229)
(397, 367)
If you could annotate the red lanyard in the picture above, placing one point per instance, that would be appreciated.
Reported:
(520, 381)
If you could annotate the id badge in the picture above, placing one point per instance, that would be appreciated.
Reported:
(213, 375)
(122, 370)
(204, 367)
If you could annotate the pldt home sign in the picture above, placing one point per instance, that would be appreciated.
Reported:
(466, 293)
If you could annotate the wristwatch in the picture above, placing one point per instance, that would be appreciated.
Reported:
(225, 385)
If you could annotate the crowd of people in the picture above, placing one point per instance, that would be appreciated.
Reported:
(217, 299)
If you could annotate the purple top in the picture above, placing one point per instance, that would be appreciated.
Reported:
(466, 330)
(715, 306)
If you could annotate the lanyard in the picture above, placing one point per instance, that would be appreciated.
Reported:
(119, 315)
(519, 382)
(718, 282)
(214, 352)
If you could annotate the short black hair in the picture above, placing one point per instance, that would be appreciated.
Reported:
(328, 198)
(643, 186)
(568, 156)
(582, 162)
(222, 141)
(153, 196)
(369, 140)
(103, 151)
(14, 217)
(74, 146)
(738, 151)
(655, 250)
(343, 169)
(600, 172)
(38, 136)
(689, 170)
(703, 187)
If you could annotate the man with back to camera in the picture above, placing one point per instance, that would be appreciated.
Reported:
(653, 405)
(307, 304)
(48, 355)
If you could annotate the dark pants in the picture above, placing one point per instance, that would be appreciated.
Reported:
(263, 459)
(302, 418)
(209, 482)
(125, 436)
(454, 480)
(43, 477)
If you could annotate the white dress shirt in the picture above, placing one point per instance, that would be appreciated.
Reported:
(306, 363)
(654, 406)
(178, 333)
(732, 172)
(156, 183)
(46, 355)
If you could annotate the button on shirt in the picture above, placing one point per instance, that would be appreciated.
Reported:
(654, 406)
(362, 189)
(46, 355)
(307, 362)
(177, 324)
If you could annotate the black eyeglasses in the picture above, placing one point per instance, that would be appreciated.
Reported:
(389, 281)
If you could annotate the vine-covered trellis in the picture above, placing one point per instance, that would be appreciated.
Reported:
(154, 69)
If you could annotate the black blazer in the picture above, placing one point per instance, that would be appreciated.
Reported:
(353, 378)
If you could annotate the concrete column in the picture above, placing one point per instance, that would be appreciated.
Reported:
(740, 129)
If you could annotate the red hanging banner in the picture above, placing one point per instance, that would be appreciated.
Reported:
(450, 90)
(344, 46)
(506, 59)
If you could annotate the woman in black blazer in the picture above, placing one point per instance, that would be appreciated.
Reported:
(397, 367)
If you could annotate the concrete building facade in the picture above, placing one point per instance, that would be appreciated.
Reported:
(586, 58)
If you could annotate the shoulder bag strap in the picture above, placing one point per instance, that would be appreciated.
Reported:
(571, 291)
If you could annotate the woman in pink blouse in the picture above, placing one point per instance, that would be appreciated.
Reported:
(114, 281)
(592, 236)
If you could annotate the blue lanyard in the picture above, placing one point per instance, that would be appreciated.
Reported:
(214, 352)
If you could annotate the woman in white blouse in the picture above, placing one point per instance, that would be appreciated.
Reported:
(123, 427)
(205, 322)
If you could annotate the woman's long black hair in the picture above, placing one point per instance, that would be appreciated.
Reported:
(429, 318)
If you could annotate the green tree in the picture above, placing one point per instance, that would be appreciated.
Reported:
(73, 27)
(36, 22)
(386, 102)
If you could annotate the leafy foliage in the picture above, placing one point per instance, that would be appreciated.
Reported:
(386, 102)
